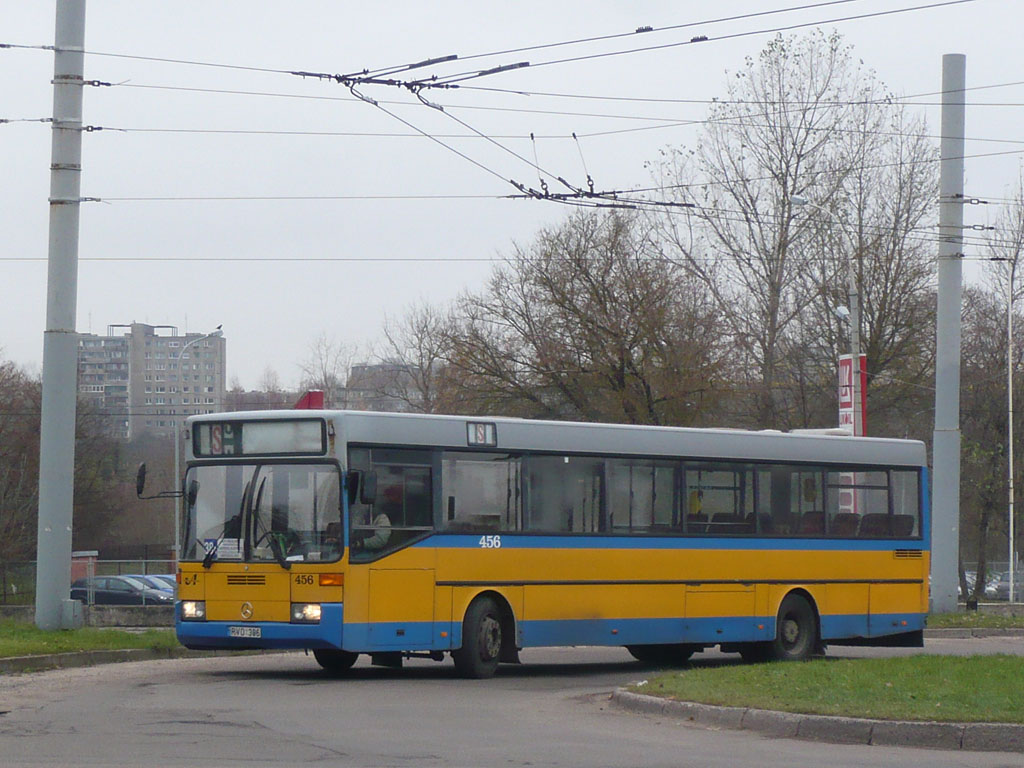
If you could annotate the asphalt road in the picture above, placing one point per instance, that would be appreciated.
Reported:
(281, 710)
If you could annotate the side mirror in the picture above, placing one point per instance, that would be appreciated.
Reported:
(368, 488)
(193, 491)
(140, 480)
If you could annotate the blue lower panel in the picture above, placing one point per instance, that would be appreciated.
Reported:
(638, 631)
(423, 636)
(398, 636)
(894, 623)
(273, 634)
(875, 625)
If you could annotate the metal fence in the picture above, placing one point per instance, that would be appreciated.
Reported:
(18, 578)
(17, 583)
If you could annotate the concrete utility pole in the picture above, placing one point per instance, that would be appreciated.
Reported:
(54, 607)
(946, 452)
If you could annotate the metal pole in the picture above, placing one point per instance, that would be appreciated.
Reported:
(176, 428)
(854, 299)
(54, 608)
(855, 390)
(946, 452)
(1009, 410)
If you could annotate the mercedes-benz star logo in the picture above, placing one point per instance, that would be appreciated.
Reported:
(247, 610)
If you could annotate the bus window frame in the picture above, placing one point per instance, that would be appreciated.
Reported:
(272, 459)
(682, 464)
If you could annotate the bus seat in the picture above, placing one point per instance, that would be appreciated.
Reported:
(696, 523)
(812, 522)
(844, 524)
(875, 524)
(902, 525)
(727, 523)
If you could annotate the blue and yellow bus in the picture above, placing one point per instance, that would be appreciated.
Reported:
(402, 535)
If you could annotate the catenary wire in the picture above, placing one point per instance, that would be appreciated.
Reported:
(418, 64)
(463, 76)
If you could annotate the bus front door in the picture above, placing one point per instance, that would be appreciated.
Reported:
(401, 609)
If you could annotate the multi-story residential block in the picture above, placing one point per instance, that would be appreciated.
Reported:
(147, 378)
(387, 386)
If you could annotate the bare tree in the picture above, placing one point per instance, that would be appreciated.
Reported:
(802, 120)
(19, 461)
(413, 360)
(984, 425)
(986, 359)
(326, 368)
(591, 323)
(270, 382)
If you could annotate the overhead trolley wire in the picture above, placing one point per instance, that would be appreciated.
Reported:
(427, 62)
(459, 77)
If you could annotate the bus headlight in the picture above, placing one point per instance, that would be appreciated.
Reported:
(306, 613)
(193, 610)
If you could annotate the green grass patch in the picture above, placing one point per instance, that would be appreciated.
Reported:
(974, 620)
(23, 639)
(947, 688)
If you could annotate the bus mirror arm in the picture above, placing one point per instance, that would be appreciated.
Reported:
(352, 485)
(140, 486)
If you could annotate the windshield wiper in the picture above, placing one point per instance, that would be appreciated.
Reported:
(278, 552)
(208, 559)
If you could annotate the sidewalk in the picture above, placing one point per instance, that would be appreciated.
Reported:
(979, 737)
(40, 662)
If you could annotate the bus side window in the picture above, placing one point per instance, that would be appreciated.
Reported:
(566, 494)
(481, 491)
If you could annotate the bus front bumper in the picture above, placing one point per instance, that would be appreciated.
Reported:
(255, 635)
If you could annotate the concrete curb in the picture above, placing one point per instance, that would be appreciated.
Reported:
(968, 632)
(38, 663)
(978, 737)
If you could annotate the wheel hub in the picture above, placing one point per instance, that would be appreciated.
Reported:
(490, 637)
(790, 631)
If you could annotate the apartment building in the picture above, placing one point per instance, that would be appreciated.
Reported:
(147, 378)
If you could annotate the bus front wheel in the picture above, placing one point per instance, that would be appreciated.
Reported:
(335, 661)
(481, 640)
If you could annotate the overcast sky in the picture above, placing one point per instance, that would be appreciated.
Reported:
(179, 261)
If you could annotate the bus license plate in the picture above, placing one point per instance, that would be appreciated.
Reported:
(245, 631)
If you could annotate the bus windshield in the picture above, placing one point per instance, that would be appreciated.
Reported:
(263, 513)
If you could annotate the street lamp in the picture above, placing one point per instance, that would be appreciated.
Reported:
(1009, 411)
(176, 429)
(854, 318)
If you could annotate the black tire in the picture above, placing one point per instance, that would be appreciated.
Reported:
(665, 655)
(796, 631)
(482, 638)
(337, 662)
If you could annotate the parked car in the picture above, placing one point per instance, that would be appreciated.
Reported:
(999, 587)
(169, 579)
(118, 590)
(155, 581)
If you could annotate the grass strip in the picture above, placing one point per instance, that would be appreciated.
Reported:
(974, 620)
(23, 639)
(942, 688)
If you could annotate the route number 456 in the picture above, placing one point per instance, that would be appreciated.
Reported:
(490, 542)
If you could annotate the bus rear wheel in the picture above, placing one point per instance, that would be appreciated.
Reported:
(796, 630)
(335, 661)
(664, 655)
(481, 640)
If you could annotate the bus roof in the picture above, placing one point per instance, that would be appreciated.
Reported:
(512, 434)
